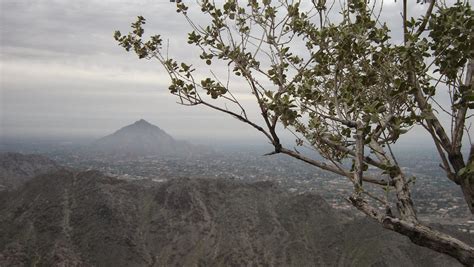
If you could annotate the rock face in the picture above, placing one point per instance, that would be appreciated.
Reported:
(70, 219)
(140, 139)
(16, 169)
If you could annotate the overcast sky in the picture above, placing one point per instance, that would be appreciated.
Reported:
(62, 74)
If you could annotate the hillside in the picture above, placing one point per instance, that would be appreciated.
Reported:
(16, 168)
(86, 218)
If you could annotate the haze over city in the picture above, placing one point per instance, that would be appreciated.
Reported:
(64, 76)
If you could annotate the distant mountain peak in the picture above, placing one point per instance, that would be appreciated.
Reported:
(141, 126)
(141, 138)
(143, 122)
(141, 129)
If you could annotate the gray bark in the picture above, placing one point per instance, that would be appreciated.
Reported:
(420, 234)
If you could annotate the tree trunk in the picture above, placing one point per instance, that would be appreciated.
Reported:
(467, 186)
(466, 179)
(426, 237)
(419, 234)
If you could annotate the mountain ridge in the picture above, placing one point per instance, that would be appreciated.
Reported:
(17, 168)
(86, 218)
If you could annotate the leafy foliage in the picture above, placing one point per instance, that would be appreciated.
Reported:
(343, 86)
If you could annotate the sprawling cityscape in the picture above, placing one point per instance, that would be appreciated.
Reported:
(436, 198)
(143, 160)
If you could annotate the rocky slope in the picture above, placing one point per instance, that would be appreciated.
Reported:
(16, 168)
(70, 219)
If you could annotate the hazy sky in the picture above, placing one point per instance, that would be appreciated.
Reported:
(62, 74)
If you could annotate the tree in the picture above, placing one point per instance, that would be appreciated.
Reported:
(338, 81)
